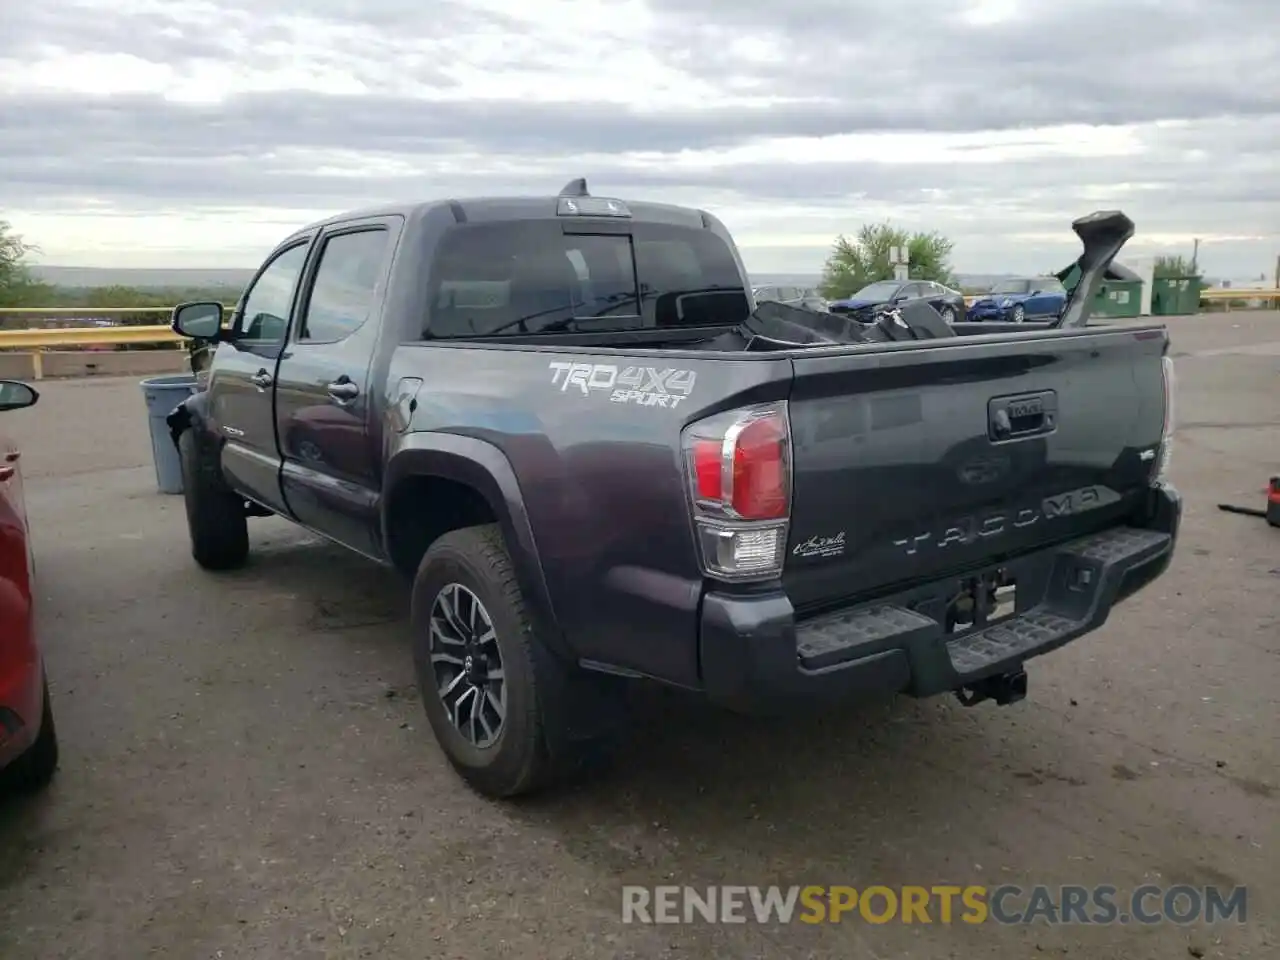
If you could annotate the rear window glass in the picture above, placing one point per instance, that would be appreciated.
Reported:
(523, 277)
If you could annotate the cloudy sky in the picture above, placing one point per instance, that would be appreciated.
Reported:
(196, 132)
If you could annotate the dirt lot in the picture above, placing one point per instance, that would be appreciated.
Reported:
(247, 771)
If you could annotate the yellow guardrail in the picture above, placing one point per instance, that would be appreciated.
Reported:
(37, 337)
(1231, 293)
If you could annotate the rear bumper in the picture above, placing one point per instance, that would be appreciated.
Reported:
(757, 657)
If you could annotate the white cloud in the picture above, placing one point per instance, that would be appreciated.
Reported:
(149, 133)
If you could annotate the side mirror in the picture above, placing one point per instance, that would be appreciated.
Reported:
(200, 320)
(15, 395)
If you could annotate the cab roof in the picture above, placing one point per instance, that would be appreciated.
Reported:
(494, 208)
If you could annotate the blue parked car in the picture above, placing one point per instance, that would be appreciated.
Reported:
(1023, 298)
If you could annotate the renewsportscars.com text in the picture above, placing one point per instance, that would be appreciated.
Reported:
(971, 904)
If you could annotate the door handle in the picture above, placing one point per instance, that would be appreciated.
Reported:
(344, 391)
(261, 379)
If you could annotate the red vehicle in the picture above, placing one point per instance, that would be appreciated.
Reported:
(28, 741)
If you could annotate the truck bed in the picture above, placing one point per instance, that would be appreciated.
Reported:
(897, 476)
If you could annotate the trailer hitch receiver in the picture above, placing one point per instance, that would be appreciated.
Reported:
(1004, 689)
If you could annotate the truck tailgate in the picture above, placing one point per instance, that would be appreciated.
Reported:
(921, 460)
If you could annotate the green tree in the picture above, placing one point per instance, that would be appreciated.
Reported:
(854, 263)
(1173, 266)
(17, 287)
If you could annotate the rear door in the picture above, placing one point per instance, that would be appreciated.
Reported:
(911, 291)
(1047, 300)
(324, 404)
(902, 472)
(935, 294)
(241, 377)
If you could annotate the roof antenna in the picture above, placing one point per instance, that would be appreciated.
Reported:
(575, 188)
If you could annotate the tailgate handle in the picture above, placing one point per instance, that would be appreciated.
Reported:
(1022, 416)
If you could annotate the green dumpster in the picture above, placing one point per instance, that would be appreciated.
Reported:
(1120, 294)
(1176, 296)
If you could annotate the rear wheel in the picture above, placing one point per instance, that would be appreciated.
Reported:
(215, 515)
(485, 679)
(34, 769)
(1019, 313)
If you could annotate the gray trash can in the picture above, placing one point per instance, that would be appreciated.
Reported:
(162, 394)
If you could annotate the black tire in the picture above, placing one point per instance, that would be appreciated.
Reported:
(215, 515)
(948, 314)
(519, 760)
(1019, 313)
(35, 768)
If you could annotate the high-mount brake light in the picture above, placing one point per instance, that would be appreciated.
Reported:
(1170, 409)
(739, 468)
(591, 207)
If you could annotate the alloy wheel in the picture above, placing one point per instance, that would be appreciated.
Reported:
(466, 663)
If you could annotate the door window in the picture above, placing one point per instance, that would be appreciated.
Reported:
(268, 302)
(346, 281)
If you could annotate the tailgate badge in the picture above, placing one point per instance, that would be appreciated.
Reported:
(832, 546)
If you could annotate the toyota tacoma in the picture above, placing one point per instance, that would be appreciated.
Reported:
(566, 422)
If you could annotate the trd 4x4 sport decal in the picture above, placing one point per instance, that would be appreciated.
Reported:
(640, 386)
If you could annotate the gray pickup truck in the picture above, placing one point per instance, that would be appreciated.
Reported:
(564, 419)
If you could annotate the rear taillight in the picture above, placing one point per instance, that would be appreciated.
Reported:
(739, 469)
(1166, 433)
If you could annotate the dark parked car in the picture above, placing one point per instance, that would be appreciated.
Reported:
(28, 740)
(805, 297)
(863, 304)
(1019, 299)
(527, 406)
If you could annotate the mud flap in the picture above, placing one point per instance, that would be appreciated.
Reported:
(583, 713)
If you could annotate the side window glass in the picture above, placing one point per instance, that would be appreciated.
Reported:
(266, 306)
(346, 280)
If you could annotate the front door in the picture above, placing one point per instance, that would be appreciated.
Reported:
(240, 381)
(324, 403)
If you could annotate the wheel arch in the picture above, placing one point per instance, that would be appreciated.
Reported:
(435, 483)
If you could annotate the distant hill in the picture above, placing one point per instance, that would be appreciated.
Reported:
(785, 279)
(151, 279)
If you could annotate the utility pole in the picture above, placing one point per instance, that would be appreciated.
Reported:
(900, 260)
(1195, 257)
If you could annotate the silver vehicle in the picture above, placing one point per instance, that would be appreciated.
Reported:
(793, 296)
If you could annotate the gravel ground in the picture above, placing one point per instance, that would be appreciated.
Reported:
(247, 771)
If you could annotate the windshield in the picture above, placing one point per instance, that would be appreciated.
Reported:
(523, 277)
(881, 290)
(1011, 286)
